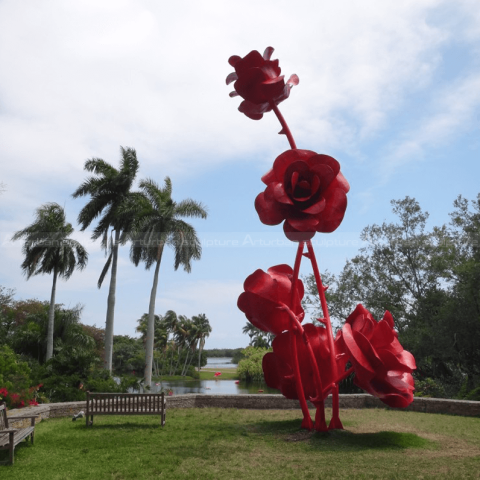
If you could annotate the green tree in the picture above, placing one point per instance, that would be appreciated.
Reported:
(108, 189)
(48, 249)
(258, 338)
(159, 224)
(128, 355)
(429, 280)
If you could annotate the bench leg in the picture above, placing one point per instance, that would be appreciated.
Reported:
(11, 448)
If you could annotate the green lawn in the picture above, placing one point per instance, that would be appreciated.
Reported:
(251, 444)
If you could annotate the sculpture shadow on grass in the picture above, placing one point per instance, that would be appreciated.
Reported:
(343, 440)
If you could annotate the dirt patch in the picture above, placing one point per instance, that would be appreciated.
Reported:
(300, 436)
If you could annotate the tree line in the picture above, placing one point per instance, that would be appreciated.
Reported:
(148, 219)
(75, 365)
(429, 279)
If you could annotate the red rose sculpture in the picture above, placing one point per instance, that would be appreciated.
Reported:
(258, 81)
(305, 189)
(265, 296)
(382, 367)
(278, 366)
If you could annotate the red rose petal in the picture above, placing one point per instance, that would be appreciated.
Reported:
(382, 336)
(355, 352)
(233, 60)
(267, 54)
(252, 60)
(293, 80)
(231, 78)
(316, 207)
(321, 159)
(280, 195)
(269, 212)
(334, 212)
(295, 235)
(304, 223)
(283, 161)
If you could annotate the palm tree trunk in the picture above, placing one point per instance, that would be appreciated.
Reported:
(190, 361)
(151, 323)
(178, 359)
(51, 318)
(200, 348)
(185, 364)
(171, 360)
(111, 306)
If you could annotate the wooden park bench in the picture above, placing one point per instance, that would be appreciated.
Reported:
(125, 404)
(11, 437)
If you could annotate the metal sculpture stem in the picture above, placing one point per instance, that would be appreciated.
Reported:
(335, 421)
(285, 130)
(320, 424)
(307, 421)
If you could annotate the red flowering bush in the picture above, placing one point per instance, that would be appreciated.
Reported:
(305, 189)
(3, 394)
(19, 400)
(382, 367)
(265, 295)
(258, 81)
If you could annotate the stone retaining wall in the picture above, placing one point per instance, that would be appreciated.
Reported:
(260, 401)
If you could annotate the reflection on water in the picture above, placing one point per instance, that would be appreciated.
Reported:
(220, 362)
(211, 387)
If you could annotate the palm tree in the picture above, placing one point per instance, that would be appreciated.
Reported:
(258, 338)
(171, 321)
(108, 189)
(161, 335)
(159, 224)
(203, 331)
(48, 249)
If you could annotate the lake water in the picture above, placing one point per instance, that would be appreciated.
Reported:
(213, 387)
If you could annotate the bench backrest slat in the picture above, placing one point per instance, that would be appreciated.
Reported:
(3, 417)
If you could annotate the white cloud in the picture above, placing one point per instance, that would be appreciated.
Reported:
(455, 110)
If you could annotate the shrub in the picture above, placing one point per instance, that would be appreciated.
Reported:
(250, 368)
(429, 388)
(15, 380)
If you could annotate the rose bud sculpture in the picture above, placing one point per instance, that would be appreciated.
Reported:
(382, 367)
(308, 193)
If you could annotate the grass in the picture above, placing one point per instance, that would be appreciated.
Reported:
(205, 374)
(227, 374)
(251, 444)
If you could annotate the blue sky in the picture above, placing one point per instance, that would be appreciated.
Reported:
(390, 89)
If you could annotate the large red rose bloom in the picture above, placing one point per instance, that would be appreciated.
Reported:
(265, 295)
(258, 81)
(305, 189)
(382, 367)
